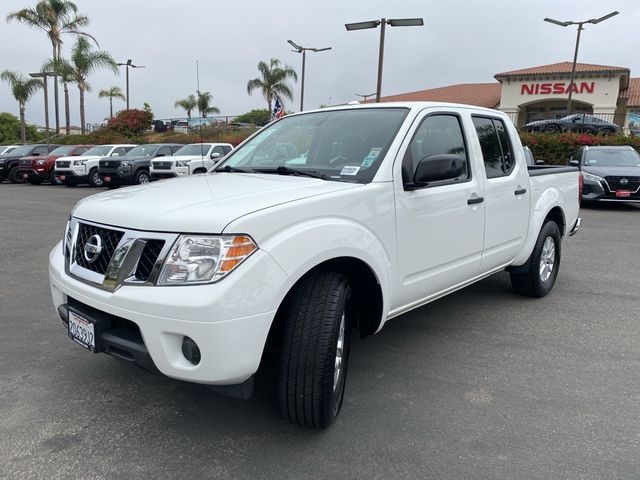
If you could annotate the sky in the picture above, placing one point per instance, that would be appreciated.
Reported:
(462, 41)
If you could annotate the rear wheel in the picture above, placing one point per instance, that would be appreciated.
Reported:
(315, 350)
(94, 178)
(543, 264)
(552, 128)
(142, 177)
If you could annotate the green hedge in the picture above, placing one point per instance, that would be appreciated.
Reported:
(556, 148)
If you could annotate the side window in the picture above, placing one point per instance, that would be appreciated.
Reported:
(120, 151)
(437, 135)
(164, 151)
(226, 149)
(495, 145)
(218, 149)
(175, 148)
(40, 151)
(80, 151)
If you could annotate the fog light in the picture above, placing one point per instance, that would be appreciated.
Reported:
(190, 350)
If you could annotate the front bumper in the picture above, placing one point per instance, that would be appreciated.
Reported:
(229, 320)
(593, 191)
(39, 173)
(116, 175)
(174, 172)
(77, 174)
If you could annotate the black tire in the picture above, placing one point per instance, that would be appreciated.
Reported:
(142, 177)
(14, 175)
(35, 181)
(94, 178)
(317, 311)
(532, 282)
(53, 178)
(198, 171)
(552, 128)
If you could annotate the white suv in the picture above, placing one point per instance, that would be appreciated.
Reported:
(84, 169)
(190, 159)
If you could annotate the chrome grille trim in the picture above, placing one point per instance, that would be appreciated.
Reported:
(122, 267)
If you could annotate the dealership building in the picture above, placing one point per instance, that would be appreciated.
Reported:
(541, 92)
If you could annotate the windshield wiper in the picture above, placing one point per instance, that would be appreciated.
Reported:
(282, 170)
(229, 168)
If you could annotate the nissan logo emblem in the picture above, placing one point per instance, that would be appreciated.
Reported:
(93, 248)
(624, 181)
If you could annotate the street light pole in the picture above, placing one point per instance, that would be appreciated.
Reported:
(383, 22)
(303, 50)
(127, 65)
(580, 25)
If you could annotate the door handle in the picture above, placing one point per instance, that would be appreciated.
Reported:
(520, 191)
(474, 200)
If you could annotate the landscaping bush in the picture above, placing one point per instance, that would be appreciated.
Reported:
(556, 148)
(131, 122)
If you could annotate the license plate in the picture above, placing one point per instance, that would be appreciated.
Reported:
(107, 179)
(623, 193)
(62, 177)
(82, 331)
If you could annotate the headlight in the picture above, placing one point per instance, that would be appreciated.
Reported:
(196, 259)
(592, 177)
(79, 162)
(66, 240)
(40, 162)
(182, 163)
(125, 163)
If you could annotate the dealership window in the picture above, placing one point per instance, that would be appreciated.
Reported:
(495, 145)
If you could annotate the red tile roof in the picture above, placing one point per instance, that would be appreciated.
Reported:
(479, 94)
(562, 67)
(632, 93)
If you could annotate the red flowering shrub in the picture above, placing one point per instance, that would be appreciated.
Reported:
(131, 122)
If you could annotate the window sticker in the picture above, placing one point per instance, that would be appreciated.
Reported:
(371, 157)
(347, 170)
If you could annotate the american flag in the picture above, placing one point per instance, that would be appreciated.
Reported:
(278, 111)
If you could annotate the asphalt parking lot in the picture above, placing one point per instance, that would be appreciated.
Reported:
(481, 384)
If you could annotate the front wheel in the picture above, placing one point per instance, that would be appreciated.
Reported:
(543, 264)
(54, 179)
(94, 178)
(15, 176)
(315, 349)
(142, 177)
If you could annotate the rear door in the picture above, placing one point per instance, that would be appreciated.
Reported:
(507, 195)
(440, 227)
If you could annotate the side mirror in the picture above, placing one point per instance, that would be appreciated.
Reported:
(115, 154)
(436, 168)
(35, 154)
(215, 155)
(574, 163)
(540, 162)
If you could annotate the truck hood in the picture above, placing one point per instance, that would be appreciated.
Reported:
(612, 170)
(81, 157)
(181, 157)
(199, 203)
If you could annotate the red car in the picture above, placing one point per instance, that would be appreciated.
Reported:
(37, 169)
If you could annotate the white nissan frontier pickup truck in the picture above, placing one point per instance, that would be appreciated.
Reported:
(321, 223)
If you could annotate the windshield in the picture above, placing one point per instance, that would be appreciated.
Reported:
(612, 157)
(142, 151)
(98, 150)
(344, 145)
(62, 151)
(6, 150)
(24, 150)
(193, 149)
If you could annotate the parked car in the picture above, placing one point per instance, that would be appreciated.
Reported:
(36, 169)
(9, 168)
(7, 149)
(609, 173)
(579, 122)
(133, 168)
(190, 159)
(181, 126)
(84, 169)
(199, 276)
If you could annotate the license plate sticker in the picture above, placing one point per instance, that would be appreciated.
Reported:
(107, 179)
(82, 331)
(62, 177)
(623, 193)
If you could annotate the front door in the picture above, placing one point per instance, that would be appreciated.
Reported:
(440, 227)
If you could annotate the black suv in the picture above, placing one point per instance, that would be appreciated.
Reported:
(9, 163)
(133, 168)
(609, 173)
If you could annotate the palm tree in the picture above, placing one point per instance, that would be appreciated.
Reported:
(273, 82)
(204, 99)
(22, 89)
(55, 18)
(84, 61)
(64, 71)
(187, 104)
(111, 93)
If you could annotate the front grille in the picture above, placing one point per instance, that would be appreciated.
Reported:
(148, 259)
(63, 164)
(615, 183)
(107, 164)
(162, 165)
(25, 163)
(110, 240)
